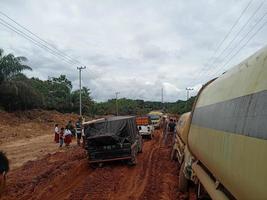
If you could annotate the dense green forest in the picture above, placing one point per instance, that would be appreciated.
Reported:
(18, 92)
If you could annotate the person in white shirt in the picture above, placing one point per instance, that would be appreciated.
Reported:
(67, 136)
(56, 134)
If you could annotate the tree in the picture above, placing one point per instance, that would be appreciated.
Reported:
(11, 66)
(19, 95)
(87, 103)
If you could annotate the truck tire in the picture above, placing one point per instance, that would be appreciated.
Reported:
(132, 161)
(183, 182)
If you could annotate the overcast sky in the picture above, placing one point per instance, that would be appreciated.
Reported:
(134, 47)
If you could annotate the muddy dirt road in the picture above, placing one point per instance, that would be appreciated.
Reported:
(66, 175)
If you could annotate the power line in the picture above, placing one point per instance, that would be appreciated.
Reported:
(252, 36)
(242, 39)
(240, 30)
(56, 53)
(240, 42)
(60, 52)
(232, 28)
(10, 27)
(224, 39)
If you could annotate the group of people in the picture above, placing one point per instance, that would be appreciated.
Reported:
(65, 135)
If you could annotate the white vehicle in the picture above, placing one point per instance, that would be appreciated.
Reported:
(145, 127)
(146, 131)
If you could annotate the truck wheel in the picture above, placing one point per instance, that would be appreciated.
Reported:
(93, 165)
(133, 161)
(183, 182)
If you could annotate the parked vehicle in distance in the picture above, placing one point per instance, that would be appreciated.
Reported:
(222, 144)
(114, 138)
(145, 126)
(155, 117)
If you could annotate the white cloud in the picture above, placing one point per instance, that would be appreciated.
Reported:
(135, 47)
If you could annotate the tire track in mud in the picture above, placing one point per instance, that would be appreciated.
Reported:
(140, 176)
(154, 177)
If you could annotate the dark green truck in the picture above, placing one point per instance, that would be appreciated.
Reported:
(113, 138)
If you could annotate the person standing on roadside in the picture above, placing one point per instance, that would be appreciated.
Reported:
(83, 137)
(56, 134)
(170, 132)
(71, 128)
(4, 168)
(61, 137)
(67, 136)
(164, 127)
(79, 131)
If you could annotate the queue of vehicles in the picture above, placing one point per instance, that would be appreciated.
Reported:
(116, 138)
(221, 145)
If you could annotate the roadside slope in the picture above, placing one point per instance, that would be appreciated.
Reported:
(29, 135)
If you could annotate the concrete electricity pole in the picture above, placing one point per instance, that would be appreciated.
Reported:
(80, 85)
(162, 99)
(117, 108)
(187, 90)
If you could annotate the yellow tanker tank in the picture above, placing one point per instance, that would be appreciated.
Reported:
(228, 132)
(181, 135)
(182, 127)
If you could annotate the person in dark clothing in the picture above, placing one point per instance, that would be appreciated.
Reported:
(172, 126)
(79, 131)
(4, 168)
(71, 128)
(170, 132)
(61, 137)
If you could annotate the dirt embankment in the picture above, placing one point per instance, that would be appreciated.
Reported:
(67, 175)
(29, 135)
(29, 124)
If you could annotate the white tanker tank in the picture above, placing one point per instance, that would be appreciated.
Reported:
(225, 147)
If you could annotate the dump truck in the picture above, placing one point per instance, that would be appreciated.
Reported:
(145, 126)
(113, 138)
(222, 144)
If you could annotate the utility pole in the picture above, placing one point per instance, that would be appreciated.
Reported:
(162, 99)
(187, 91)
(117, 108)
(80, 85)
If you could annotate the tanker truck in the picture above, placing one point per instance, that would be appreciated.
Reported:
(221, 145)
